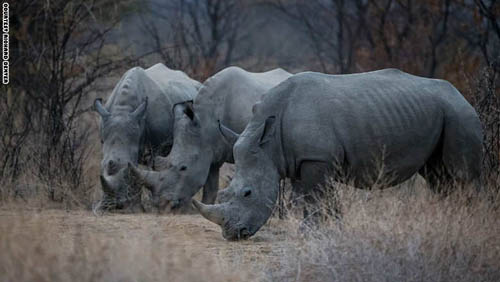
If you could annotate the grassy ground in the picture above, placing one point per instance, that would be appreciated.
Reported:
(405, 234)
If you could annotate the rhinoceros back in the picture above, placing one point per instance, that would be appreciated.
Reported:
(230, 94)
(357, 120)
(163, 87)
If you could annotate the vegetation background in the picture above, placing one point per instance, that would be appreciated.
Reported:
(63, 54)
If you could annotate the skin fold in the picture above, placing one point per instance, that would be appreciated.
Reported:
(379, 127)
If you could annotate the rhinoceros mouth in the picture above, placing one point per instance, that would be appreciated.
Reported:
(176, 204)
(238, 234)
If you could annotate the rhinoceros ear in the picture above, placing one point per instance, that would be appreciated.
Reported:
(98, 107)
(254, 107)
(139, 113)
(268, 132)
(188, 110)
(184, 109)
(229, 136)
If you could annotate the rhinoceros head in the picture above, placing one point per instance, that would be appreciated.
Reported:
(121, 134)
(254, 188)
(154, 181)
(185, 170)
(127, 196)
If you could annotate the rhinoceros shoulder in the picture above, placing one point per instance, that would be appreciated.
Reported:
(220, 84)
(233, 78)
(161, 73)
(124, 96)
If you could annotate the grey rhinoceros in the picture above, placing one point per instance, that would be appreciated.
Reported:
(313, 123)
(137, 115)
(199, 148)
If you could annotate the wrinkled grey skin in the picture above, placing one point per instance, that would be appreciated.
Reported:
(315, 123)
(199, 148)
(136, 115)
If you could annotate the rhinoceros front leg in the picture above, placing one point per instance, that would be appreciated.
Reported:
(312, 186)
(211, 186)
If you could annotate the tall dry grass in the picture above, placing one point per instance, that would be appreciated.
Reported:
(406, 233)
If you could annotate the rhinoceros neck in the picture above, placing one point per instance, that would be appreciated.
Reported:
(228, 97)
(218, 150)
(170, 87)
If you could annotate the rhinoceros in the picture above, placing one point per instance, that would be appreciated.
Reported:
(199, 148)
(313, 124)
(137, 115)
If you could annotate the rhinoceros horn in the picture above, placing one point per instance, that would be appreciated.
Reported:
(229, 136)
(135, 171)
(106, 187)
(138, 175)
(211, 212)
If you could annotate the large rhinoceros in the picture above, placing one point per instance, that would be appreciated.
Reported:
(199, 148)
(137, 115)
(313, 123)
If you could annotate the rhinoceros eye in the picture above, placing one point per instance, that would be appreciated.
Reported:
(183, 168)
(247, 193)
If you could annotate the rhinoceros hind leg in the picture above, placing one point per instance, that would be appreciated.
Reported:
(455, 161)
(437, 177)
(463, 153)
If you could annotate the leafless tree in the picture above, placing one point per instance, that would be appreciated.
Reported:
(487, 30)
(360, 35)
(58, 54)
(334, 29)
(197, 36)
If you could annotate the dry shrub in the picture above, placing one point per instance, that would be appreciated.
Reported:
(484, 94)
(65, 182)
(406, 233)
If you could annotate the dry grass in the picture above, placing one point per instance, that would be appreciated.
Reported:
(400, 234)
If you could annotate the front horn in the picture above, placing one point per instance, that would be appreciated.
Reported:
(210, 212)
(136, 172)
(138, 175)
(106, 187)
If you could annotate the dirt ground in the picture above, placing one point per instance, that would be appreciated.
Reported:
(404, 234)
(187, 236)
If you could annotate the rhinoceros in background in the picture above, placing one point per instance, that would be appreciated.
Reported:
(313, 123)
(199, 148)
(138, 114)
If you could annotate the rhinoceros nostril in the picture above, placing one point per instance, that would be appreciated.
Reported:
(243, 233)
(176, 204)
(112, 167)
